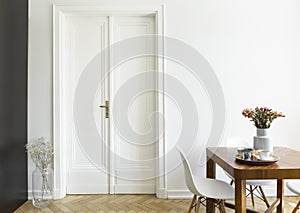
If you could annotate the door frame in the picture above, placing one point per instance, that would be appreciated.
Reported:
(59, 142)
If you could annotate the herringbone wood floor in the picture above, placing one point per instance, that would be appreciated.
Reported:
(131, 204)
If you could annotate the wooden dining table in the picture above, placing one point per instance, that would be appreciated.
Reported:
(287, 167)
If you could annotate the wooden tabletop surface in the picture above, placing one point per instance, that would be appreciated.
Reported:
(288, 166)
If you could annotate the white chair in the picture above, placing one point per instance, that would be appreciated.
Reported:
(294, 186)
(204, 188)
(254, 185)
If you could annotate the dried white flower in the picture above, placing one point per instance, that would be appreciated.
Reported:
(41, 152)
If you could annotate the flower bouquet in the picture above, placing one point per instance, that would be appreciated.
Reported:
(262, 117)
(41, 152)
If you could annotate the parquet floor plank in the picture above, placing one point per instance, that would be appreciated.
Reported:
(131, 204)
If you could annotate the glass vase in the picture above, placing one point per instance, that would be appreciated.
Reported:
(42, 187)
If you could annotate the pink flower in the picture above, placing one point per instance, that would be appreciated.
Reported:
(261, 117)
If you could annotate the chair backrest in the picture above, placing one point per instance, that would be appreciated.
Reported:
(187, 172)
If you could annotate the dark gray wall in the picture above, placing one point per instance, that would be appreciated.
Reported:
(13, 103)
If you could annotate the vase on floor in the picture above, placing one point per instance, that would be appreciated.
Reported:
(262, 140)
(42, 187)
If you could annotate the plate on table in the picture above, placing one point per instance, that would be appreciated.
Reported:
(258, 162)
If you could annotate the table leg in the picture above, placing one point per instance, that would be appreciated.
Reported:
(210, 173)
(240, 196)
(280, 195)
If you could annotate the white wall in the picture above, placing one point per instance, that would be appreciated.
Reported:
(252, 45)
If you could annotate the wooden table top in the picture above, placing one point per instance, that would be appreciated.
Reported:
(288, 167)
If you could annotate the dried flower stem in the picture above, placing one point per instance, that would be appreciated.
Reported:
(41, 152)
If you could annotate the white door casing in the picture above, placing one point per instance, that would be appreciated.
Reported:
(61, 95)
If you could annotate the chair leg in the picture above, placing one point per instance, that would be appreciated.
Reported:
(198, 205)
(222, 206)
(252, 196)
(192, 204)
(297, 207)
(264, 196)
(273, 206)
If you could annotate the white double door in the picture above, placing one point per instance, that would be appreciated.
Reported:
(114, 161)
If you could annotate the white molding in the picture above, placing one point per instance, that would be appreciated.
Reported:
(108, 93)
(60, 10)
(56, 195)
(161, 180)
(162, 193)
(29, 195)
(179, 194)
(184, 194)
(141, 189)
(96, 10)
(91, 188)
(59, 148)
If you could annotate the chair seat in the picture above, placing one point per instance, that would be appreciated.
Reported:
(294, 186)
(259, 182)
(212, 188)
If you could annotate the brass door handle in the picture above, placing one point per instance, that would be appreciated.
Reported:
(106, 106)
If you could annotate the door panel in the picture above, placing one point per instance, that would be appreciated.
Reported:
(134, 165)
(87, 166)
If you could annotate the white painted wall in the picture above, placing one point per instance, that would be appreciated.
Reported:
(252, 45)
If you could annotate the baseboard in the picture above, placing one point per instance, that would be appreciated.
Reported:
(135, 189)
(56, 194)
(176, 194)
(29, 195)
(179, 194)
(162, 193)
(88, 188)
